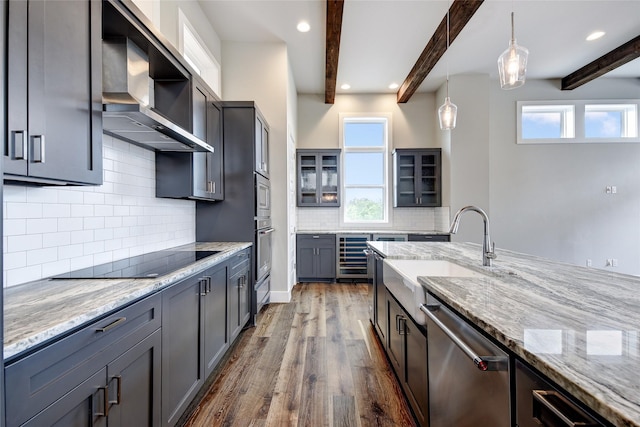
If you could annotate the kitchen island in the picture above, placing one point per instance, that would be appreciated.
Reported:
(580, 327)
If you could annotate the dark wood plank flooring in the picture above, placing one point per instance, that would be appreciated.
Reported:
(312, 362)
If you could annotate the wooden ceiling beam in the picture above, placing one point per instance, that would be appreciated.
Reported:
(460, 13)
(332, 51)
(607, 62)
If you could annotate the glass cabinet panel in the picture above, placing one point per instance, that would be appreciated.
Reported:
(417, 177)
(318, 177)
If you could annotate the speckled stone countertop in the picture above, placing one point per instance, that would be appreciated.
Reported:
(38, 311)
(578, 326)
(351, 231)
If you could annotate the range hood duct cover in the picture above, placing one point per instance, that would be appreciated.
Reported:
(126, 97)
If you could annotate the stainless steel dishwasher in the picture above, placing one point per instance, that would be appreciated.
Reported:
(468, 374)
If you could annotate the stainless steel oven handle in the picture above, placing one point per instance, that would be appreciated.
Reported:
(480, 361)
(267, 231)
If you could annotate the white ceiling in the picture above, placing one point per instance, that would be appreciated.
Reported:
(381, 39)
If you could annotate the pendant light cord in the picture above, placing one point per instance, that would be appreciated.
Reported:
(447, 51)
(513, 32)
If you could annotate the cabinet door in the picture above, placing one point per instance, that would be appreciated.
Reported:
(182, 367)
(215, 317)
(405, 180)
(325, 267)
(215, 160)
(396, 324)
(200, 172)
(428, 178)
(134, 385)
(84, 406)
(416, 380)
(262, 147)
(307, 179)
(63, 103)
(381, 303)
(305, 261)
(329, 186)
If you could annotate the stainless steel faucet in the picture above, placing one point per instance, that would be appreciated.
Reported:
(488, 248)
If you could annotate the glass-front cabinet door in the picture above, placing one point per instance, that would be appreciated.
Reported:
(318, 177)
(417, 177)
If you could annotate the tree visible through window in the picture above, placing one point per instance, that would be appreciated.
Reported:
(364, 167)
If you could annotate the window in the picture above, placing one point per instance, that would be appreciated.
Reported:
(611, 121)
(195, 52)
(547, 121)
(364, 143)
(577, 121)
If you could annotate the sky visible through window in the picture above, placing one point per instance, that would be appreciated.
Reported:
(364, 176)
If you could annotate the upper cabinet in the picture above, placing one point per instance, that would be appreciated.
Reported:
(417, 177)
(318, 177)
(54, 92)
(262, 146)
(196, 176)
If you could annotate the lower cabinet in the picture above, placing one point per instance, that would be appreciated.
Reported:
(194, 330)
(239, 286)
(107, 373)
(407, 351)
(316, 257)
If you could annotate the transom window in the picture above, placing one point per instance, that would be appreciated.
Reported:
(365, 145)
(544, 122)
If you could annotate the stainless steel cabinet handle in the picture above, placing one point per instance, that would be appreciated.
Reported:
(483, 363)
(112, 325)
(540, 397)
(118, 379)
(207, 285)
(315, 237)
(402, 326)
(267, 231)
(202, 290)
(105, 402)
(38, 142)
(19, 142)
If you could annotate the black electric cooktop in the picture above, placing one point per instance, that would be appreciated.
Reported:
(153, 264)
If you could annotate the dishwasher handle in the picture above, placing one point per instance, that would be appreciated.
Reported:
(483, 363)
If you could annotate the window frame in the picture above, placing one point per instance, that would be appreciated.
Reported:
(579, 107)
(384, 118)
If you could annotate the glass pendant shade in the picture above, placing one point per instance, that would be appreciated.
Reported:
(447, 114)
(512, 64)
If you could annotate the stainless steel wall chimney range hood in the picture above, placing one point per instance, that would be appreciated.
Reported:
(127, 98)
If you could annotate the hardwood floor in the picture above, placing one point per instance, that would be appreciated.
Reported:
(312, 362)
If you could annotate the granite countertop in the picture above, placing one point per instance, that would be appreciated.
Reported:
(579, 326)
(351, 231)
(37, 311)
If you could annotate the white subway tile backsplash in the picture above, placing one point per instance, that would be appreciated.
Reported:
(59, 229)
(61, 238)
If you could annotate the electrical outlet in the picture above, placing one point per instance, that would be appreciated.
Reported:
(611, 189)
(608, 189)
(589, 263)
(609, 262)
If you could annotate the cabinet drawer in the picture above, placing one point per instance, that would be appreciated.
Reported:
(41, 378)
(316, 240)
(239, 262)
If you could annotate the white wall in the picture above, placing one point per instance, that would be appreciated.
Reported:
(544, 199)
(414, 125)
(53, 230)
(260, 72)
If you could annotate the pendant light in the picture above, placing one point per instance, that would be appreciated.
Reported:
(512, 64)
(448, 111)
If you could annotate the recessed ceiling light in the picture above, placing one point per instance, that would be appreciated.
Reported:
(595, 35)
(345, 86)
(303, 26)
(393, 86)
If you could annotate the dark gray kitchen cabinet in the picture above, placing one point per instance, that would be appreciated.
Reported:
(381, 320)
(194, 335)
(407, 351)
(54, 92)
(75, 381)
(318, 177)
(262, 145)
(428, 238)
(197, 176)
(417, 177)
(238, 291)
(216, 334)
(316, 257)
(182, 352)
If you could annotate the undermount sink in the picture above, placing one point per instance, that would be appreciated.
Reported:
(400, 276)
